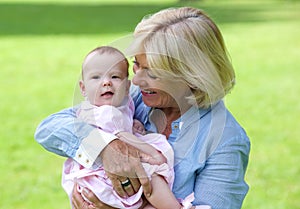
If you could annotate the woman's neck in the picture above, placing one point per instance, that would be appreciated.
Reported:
(164, 117)
(171, 114)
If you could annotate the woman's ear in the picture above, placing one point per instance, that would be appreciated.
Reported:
(82, 88)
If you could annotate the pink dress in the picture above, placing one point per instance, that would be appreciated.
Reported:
(115, 120)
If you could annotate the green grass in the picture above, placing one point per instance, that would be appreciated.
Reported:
(42, 44)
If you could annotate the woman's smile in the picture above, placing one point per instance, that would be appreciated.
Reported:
(148, 92)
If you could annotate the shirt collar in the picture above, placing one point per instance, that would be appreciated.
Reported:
(191, 116)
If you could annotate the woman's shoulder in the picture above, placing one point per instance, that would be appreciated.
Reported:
(216, 128)
(232, 136)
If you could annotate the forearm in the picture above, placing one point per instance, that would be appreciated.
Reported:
(59, 133)
(63, 134)
(162, 197)
(221, 183)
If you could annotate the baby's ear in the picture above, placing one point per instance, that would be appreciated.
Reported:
(82, 88)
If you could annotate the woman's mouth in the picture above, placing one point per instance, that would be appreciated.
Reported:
(148, 92)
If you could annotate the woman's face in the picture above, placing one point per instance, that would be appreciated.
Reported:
(159, 92)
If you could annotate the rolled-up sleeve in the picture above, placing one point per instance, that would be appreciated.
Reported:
(221, 184)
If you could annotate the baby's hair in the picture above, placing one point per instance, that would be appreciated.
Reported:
(107, 50)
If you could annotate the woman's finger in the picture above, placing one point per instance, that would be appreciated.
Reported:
(144, 180)
(90, 196)
(77, 201)
(129, 190)
(135, 183)
(117, 184)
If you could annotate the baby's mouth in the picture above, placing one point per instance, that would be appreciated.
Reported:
(108, 93)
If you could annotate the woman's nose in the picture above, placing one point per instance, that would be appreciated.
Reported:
(139, 78)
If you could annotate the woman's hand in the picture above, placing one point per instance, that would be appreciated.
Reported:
(122, 162)
(79, 203)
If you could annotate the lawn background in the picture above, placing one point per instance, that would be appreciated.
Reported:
(42, 45)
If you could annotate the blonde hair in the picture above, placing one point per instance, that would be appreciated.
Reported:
(186, 44)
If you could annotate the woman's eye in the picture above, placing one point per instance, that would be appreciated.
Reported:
(149, 73)
(135, 66)
(135, 63)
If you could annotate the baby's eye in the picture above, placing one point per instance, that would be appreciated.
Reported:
(115, 77)
(96, 77)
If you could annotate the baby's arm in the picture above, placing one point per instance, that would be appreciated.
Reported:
(162, 197)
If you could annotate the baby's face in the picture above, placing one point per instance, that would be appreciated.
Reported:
(105, 79)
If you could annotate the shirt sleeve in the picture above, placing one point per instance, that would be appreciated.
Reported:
(221, 183)
(63, 134)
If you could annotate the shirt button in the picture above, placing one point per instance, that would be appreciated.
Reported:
(79, 155)
(175, 126)
(87, 161)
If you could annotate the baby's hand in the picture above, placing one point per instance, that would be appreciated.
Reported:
(159, 158)
(138, 127)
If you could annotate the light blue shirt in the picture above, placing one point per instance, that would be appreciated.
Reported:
(211, 154)
(211, 150)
